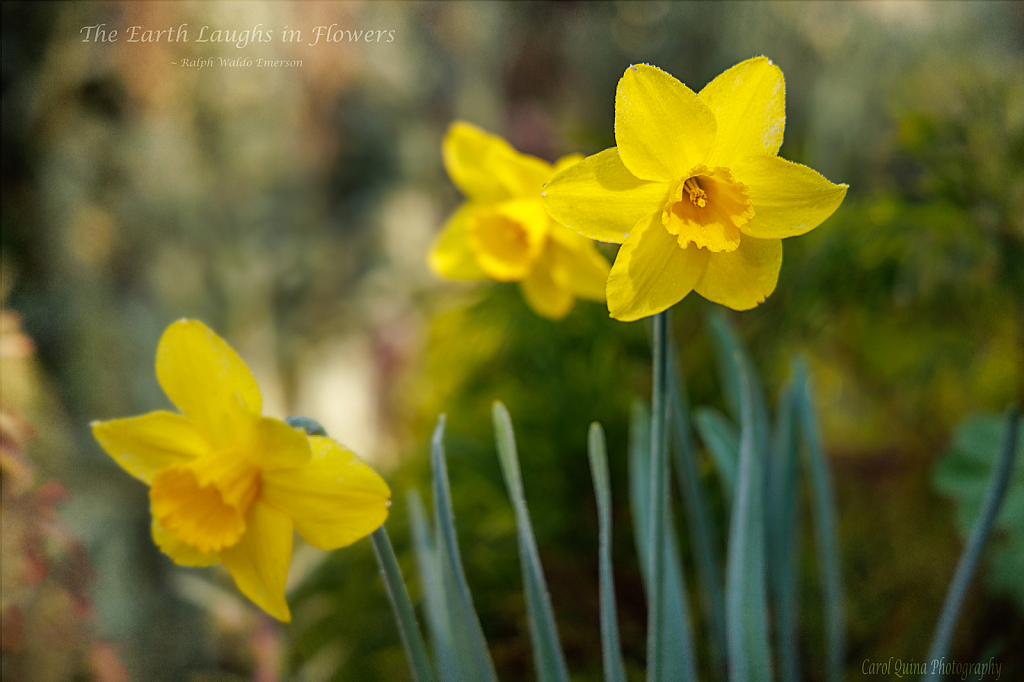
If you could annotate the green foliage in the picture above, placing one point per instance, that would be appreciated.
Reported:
(762, 533)
(611, 648)
(767, 464)
(745, 582)
(963, 474)
(547, 650)
(469, 648)
(723, 444)
(676, 643)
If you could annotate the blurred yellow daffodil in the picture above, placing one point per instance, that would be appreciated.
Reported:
(694, 190)
(229, 485)
(503, 232)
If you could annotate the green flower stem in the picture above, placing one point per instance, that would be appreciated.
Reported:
(972, 552)
(408, 628)
(658, 495)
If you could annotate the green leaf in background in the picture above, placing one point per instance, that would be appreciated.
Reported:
(962, 474)
(429, 569)
(722, 440)
(782, 535)
(611, 647)
(471, 656)
(745, 584)
(405, 616)
(823, 515)
(998, 484)
(677, 652)
(547, 649)
(726, 346)
(704, 536)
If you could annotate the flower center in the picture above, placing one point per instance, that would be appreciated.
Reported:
(508, 238)
(698, 197)
(707, 209)
(205, 501)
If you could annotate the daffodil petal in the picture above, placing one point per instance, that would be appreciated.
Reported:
(487, 168)
(749, 104)
(543, 294)
(180, 553)
(451, 255)
(742, 278)
(204, 378)
(259, 562)
(334, 500)
(662, 129)
(651, 273)
(599, 198)
(789, 199)
(277, 445)
(146, 444)
(577, 266)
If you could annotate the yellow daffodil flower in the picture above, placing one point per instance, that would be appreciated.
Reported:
(229, 485)
(694, 190)
(503, 233)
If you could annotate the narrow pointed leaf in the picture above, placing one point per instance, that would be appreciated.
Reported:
(472, 659)
(726, 344)
(405, 617)
(783, 496)
(823, 516)
(731, 357)
(436, 605)
(998, 483)
(745, 588)
(722, 440)
(611, 648)
(704, 535)
(677, 654)
(547, 649)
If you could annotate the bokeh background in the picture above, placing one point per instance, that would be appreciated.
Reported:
(291, 210)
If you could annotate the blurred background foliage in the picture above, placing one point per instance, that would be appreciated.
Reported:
(291, 210)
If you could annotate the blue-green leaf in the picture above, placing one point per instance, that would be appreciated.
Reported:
(998, 483)
(733, 362)
(472, 659)
(783, 495)
(611, 648)
(823, 515)
(704, 534)
(726, 344)
(722, 440)
(745, 588)
(547, 649)
(962, 474)
(405, 616)
(436, 603)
